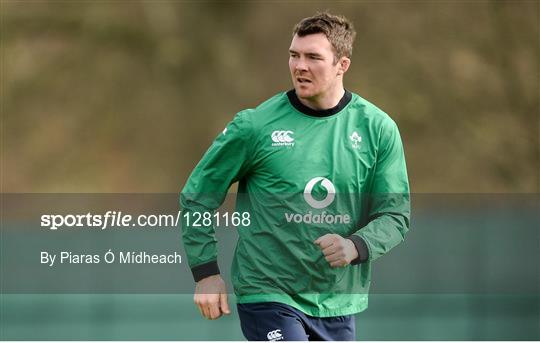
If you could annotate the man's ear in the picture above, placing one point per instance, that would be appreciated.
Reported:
(344, 63)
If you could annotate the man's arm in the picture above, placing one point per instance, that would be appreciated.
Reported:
(226, 161)
(389, 211)
(389, 199)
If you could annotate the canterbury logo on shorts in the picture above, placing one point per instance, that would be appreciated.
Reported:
(274, 335)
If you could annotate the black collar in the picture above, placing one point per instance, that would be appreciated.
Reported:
(319, 113)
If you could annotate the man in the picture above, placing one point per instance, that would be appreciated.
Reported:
(322, 174)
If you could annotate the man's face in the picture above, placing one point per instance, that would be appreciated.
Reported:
(311, 62)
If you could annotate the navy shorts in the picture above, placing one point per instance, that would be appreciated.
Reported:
(272, 321)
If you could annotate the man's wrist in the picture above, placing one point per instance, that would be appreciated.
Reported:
(361, 248)
(205, 270)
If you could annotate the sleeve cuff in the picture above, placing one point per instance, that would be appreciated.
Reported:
(205, 270)
(361, 247)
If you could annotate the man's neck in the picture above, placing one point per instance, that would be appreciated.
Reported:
(325, 102)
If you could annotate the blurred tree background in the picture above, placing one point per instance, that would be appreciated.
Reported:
(125, 96)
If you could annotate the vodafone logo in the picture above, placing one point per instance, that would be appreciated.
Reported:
(282, 138)
(319, 217)
(330, 190)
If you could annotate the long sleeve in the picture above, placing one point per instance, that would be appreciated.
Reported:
(225, 162)
(389, 199)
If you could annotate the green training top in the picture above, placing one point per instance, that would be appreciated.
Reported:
(302, 174)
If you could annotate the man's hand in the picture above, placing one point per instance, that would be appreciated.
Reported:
(211, 297)
(338, 251)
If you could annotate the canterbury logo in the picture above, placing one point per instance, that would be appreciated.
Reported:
(330, 189)
(282, 138)
(274, 335)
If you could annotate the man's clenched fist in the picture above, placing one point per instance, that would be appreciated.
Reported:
(338, 251)
(211, 297)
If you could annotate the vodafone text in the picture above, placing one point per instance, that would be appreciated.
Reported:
(322, 218)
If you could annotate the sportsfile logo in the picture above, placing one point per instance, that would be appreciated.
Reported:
(282, 138)
(274, 335)
(322, 217)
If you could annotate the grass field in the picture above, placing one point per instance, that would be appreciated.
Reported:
(174, 317)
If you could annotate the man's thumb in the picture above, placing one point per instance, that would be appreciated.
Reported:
(224, 304)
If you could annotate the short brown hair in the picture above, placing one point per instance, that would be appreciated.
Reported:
(337, 29)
